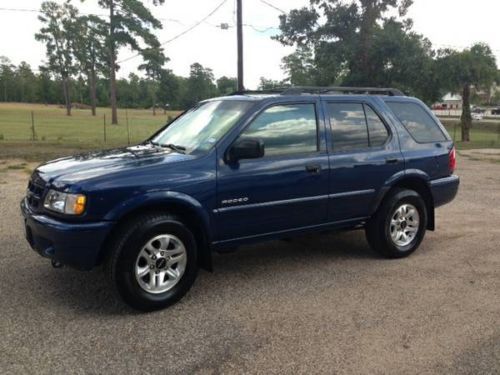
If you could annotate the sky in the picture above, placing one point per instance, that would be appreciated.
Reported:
(447, 23)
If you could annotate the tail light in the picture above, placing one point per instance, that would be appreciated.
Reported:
(452, 163)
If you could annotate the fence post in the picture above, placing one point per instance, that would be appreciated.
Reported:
(33, 134)
(128, 130)
(105, 128)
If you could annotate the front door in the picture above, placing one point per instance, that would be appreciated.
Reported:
(286, 188)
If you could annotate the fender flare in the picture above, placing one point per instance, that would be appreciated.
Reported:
(415, 174)
(162, 199)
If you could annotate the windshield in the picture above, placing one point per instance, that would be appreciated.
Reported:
(197, 130)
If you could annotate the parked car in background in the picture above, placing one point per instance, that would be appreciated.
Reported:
(249, 167)
(495, 111)
(477, 116)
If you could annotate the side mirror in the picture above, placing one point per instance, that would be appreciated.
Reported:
(245, 148)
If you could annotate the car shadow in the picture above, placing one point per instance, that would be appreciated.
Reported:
(89, 292)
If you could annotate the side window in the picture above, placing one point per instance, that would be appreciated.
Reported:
(348, 126)
(286, 129)
(417, 121)
(376, 128)
(356, 126)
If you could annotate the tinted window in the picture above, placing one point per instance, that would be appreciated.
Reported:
(376, 128)
(286, 129)
(348, 126)
(417, 121)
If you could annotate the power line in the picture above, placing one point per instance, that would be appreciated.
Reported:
(183, 32)
(261, 30)
(272, 6)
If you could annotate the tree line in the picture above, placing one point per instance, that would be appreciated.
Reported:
(22, 84)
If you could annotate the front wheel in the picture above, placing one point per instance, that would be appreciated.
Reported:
(153, 261)
(398, 227)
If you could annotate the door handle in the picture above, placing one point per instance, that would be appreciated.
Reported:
(392, 161)
(313, 168)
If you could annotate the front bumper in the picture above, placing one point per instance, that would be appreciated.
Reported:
(444, 190)
(74, 244)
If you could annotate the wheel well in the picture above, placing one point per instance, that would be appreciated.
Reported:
(422, 188)
(188, 216)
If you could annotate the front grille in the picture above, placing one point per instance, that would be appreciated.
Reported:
(34, 193)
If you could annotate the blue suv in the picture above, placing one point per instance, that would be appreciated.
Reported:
(248, 167)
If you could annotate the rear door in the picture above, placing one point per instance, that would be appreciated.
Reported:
(285, 189)
(364, 155)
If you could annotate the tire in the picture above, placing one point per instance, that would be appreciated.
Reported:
(157, 246)
(383, 230)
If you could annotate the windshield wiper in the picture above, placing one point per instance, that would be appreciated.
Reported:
(176, 148)
(150, 142)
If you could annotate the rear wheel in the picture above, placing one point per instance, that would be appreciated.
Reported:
(398, 227)
(153, 261)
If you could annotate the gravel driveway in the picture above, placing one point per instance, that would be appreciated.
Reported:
(322, 304)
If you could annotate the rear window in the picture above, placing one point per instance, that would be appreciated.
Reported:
(418, 122)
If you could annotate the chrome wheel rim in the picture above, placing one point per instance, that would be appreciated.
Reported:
(404, 224)
(161, 264)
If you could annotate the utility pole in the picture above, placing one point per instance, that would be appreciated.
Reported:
(239, 32)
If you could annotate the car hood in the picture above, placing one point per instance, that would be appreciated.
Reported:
(90, 165)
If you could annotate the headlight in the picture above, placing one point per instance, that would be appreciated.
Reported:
(71, 204)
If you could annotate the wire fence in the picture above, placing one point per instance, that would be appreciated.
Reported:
(482, 134)
(51, 125)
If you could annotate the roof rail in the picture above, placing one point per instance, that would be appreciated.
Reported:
(299, 90)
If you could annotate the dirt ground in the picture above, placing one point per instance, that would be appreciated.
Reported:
(318, 304)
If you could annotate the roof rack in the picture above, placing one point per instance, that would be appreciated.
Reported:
(299, 90)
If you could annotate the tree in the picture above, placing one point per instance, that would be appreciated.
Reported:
(226, 85)
(88, 46)
(46, 88)
(26, 83)
(153, 67)
(270, 84)
(129, 24)
(200, 85)
(169, 89)
(358, 43)
(57, 32)
(7, 78)
(475, 66)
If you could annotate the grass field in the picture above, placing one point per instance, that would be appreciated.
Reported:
(81, 128)
(57, 134)
(483, 134)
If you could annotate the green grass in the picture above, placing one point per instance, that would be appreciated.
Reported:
(483, 135)
(81, 129)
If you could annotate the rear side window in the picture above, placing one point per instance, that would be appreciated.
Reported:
(355, 126)
(418, 122)
(286, 129)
